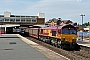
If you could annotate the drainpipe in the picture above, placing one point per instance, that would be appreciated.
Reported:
(5, 29)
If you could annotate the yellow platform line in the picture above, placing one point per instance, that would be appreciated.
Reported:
(26, 40)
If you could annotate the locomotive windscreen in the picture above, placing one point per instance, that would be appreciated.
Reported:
(69, 29)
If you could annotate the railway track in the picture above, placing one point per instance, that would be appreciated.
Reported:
(73, 55)
(85, 49)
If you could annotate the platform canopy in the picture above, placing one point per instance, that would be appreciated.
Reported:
(9, 25)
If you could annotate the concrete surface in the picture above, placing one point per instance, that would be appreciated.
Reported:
(18, 50)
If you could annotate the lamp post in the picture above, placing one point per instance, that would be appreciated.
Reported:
(82, 24)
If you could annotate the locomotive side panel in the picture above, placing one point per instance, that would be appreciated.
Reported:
(50, 32)
(53, 33)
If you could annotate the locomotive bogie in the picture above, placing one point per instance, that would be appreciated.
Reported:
(59, 43)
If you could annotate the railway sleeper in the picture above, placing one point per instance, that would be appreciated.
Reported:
(85, 48)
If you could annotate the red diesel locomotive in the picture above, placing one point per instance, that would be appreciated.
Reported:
(64, 36)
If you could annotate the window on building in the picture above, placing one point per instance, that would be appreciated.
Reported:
(12, 19)
(34, 20)
(18, 20)
(28, 19)
(22, 19)
(1, 19)
(6, 19)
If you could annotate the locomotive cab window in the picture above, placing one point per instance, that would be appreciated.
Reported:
(65, 31)
(53, 33)
(73, 31)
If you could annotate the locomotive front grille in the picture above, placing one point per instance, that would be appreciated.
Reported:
(69, 38)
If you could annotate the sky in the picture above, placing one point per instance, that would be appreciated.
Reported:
(65, 9)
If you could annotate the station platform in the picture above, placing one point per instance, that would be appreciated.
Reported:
(13, 48)
(84, 43)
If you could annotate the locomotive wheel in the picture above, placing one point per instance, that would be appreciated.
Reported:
(52, 42)
(56, 43)
(39, 38)
(59, 44)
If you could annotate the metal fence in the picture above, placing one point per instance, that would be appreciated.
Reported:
(83, 33)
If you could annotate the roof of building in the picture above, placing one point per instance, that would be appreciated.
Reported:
(9, 25)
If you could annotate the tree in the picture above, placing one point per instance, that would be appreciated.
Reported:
(86, 24)
(59, 19)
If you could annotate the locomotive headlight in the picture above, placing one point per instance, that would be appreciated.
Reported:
(73, 37)
(73, 40)
(63, 39)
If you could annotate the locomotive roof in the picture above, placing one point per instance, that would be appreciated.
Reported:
(54, 27)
